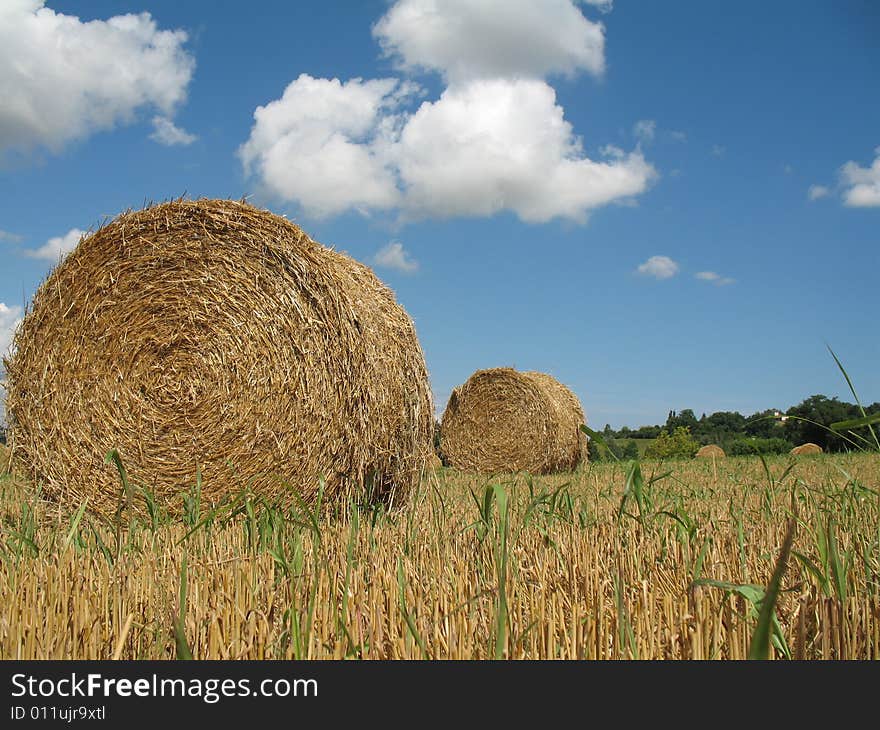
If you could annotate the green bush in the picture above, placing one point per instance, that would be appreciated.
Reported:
(620, 449)
(631, 450)
(677, 445)
(745, 447)
(599, 452)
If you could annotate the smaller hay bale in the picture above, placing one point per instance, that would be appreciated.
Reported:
(806, 449)
(504, 421)
(711, 451)
(434, 462)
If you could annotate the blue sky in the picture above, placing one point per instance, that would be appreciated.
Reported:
(665, 205)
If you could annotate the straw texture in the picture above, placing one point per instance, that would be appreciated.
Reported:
(806, 449)
(210, 335)
(711, 451)
(502, 420)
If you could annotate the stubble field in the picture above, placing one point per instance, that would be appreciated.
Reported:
(667, 561)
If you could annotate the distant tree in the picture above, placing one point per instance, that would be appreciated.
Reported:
(812, 419)
(684, 419)
(763, 424)
(727, 421)
(647, 432)
(727, 428)
(631, 450)
(720, 428)
(777, 446)
(677, 445)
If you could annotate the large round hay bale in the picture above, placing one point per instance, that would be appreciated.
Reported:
(711, 451)
(502, 420)
(806, 449)
(210, 335)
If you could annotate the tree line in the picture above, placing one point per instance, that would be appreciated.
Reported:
(771, 431)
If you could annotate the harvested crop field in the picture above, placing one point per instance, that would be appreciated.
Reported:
(564, 566)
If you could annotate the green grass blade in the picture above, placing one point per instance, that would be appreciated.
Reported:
(855, 423)
(846, 377)
(759, 648)
(769, 475)
(181, 645)
(407, 617)
(501, 499)
(74, 524)
(752, 593)
(856, 396)
(813, 569)
(184, 579)
(599, 440)
(698, 567)
(838, 572)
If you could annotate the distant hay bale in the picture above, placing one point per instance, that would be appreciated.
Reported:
(434, 462)
(711, 451)
(502, 420)
(806, 449)
(210, 335)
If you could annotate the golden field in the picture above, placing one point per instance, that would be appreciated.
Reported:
(597, 564)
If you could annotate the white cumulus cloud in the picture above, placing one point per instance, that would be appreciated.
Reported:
(62, 79)
(394, 256)
(10, 318)
(467, 39)
(714, 278)
(644, 130)
(58, 247)
(325, 144)
(814, 192)
(495, 140)
(861, 184)
(169, 134)
(7, 237)
(660, 267)
(494, 145)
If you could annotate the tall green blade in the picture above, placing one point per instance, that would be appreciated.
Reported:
(760, 644)
(856, 396)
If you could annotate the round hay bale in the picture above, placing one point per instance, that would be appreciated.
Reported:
(210, 335)
(434, 462)
(502, 420)
(806, 449)
(711, 451)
